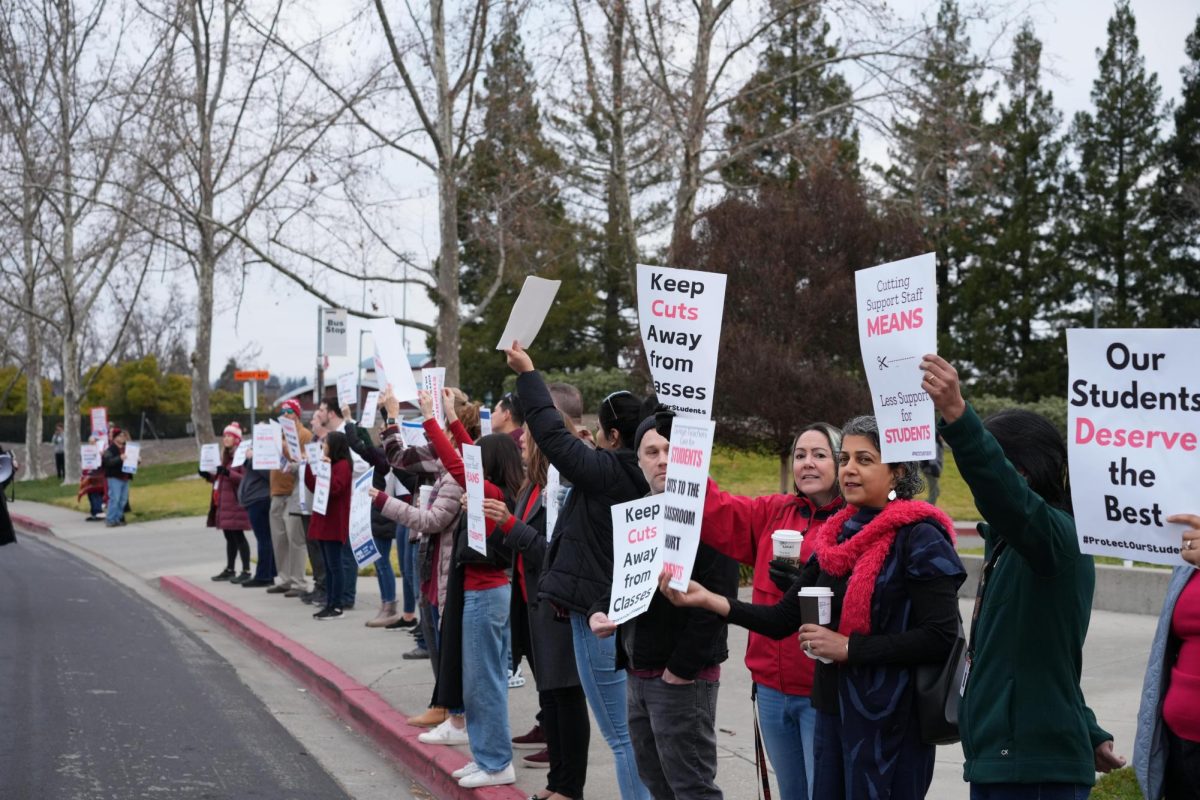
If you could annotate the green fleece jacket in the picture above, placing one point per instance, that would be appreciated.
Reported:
(1023, 718)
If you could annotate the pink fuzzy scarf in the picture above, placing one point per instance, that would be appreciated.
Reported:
(863, 554)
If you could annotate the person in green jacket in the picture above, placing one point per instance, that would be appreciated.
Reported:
(1026, 730)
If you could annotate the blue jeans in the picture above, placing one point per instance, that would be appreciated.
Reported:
(788, 723)
(604, 687)
(1029, 791)
(383, 570)
(331, 554)
(96, 503)
(487, 640)
(118, 496)
(349, 576)
(260, 520)
(409, 587)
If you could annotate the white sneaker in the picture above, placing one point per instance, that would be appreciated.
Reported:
(515, 679)
(479, 778)
(445, 733)
(468, 769)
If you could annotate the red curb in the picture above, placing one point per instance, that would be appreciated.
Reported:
(31, 525)
(351, 700)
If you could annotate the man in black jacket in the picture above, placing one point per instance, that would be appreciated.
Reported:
(113, 462)
(673, 657)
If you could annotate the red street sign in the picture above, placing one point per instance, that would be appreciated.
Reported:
(251, 375)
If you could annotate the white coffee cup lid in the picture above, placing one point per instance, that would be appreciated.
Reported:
(816, 591)
(787, 536)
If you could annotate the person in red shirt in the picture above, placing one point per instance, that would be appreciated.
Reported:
(331, 530)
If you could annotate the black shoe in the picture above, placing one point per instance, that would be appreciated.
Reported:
(348, 607)
(307, 598)
(279, 588)
(255, 583)
(327, 614)
(401, 625)
(93, 518)
(224, 575)
(416, 654)
(241, 578)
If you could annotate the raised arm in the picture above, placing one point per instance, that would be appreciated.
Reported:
(731, 523)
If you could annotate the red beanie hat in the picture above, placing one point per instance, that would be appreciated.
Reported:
(233, 429)
(294, 405)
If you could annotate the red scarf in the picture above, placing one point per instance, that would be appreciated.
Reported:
(862, 555)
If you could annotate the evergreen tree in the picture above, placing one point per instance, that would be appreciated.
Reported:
(512, 224)
(794, 83)
(1019, 283)
(1119, 154)
(1177, 206)
(938, 164)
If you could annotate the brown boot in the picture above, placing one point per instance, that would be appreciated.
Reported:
(432, 717)
(386, 616)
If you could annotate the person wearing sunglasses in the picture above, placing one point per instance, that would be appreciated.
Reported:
(579, 565)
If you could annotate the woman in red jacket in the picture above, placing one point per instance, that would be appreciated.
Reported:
(331, 530)
(741, 528)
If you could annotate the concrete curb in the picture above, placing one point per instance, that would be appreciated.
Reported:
(349, 699)
(31, 525)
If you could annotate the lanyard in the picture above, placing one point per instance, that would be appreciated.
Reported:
(979, 592)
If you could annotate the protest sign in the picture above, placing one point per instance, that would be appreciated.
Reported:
(369, 410)
(1132, 438)
(129, 462)
(210, 457)
(683, 499)
(637, 556)
(485, 421)
(239, 455)
(389, 349)
(679, 313)
(314, 452)
(89, 456)
(305, 498)
(347, 396)
(292, 436)
(897, 325)
(361, 540)
(529, 312)
(553, 500)
(100, 421)
(267, 447)
(380, 373)
(413, 433)
(321, 475)
(476, 526)
(432, 381)
(335, 332)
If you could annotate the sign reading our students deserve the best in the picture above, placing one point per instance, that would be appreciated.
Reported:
(897, 325)
(683, 498)
(637, 556)
(1133, 436)
(679, 314)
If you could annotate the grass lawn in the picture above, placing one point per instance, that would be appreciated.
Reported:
(1119, 784)
(157, 492)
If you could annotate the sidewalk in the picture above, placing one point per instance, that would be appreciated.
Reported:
(369, 662)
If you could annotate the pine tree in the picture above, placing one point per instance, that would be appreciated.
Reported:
(1018, 284)
(1177, 203)
(937, 165)
(1119, 153)
(512, 224)
(794, 83)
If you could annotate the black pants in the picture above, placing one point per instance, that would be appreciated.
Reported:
(317, 560)
(236, 544)
(60, 464)
(565, 723)
(1183, 768)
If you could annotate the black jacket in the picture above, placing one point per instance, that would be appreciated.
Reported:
(579, 565)
(683, 640)
(382, 527)
(112, 462)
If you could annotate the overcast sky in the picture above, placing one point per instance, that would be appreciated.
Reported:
(282, 320)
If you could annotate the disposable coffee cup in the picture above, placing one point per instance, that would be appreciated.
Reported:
(785, 545)
(816, 605)
(425, 496)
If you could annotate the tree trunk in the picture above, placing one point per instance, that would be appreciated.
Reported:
(206, 266)
(33, 399)
(447, 271)
(202, 354)
(70, 359)
(693, 143)
(621, 246)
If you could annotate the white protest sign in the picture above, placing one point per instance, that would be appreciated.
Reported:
(314, 452)
(321, 473)
(361, 540)
(100, 421)
(389, 350)
(683, 500)
(529, 312)
(303, 498)
(369, 410)
(552, 498)
(1132, 439)
(897, 325)
(335, 332)
(89, 456)
(637, 556)
(346, 389)
(413, 433)
(485, 422)
(291, 435)
(432, 381)
(129, 464)
(267, 446)
(679, 313)
(239, 455)
(210, 457)
(476, 527)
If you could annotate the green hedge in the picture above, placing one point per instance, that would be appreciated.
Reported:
(1052, 408)
(593, 383)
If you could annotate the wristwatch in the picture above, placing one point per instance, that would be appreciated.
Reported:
(389, 421)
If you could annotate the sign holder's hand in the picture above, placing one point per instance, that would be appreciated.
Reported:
(941, 382)
(448, 405)
(1190, 549)
(601, 625)
(425, 401)
(390, 403)
(495, 510)
(518, 360)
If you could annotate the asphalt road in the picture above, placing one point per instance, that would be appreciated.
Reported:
(104, 696)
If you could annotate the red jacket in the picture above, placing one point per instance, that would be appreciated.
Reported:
(225, 512)
(334, 524)
(741, 528)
